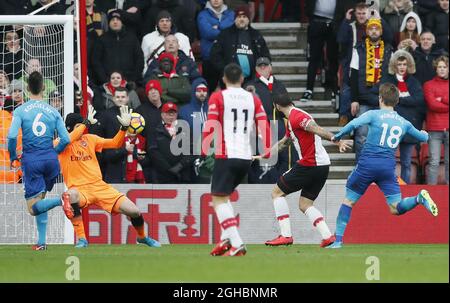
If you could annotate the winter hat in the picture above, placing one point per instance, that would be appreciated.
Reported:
(167, 107)
(165, 55)
(115, 14)
(242, 10)
(153, 84)
(374, 22)
(163, 15)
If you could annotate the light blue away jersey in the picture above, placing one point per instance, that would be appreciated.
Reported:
(386, 130)
(38, 121)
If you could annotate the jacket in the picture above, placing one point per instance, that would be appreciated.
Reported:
(424, 62)
(224, 48)
(342, 6)
(437, 22)
(176, 89)
(185, 67)
(118, 51)
(365, 94)
(437, 114)
(195, 109)
(394, 17)
(108, 98)
(131, 21)
(206, 20)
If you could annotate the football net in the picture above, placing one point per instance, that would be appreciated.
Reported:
(27, 44)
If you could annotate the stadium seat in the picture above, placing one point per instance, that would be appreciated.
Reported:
(424, 162)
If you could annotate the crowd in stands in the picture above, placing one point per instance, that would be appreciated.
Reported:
(164, 58)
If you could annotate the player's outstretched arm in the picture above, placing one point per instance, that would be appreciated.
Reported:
(364, 119)
(419, 135)
(278, 147)
(314, 128)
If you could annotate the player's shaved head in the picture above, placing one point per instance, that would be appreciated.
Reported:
(233, 73)
(35, 83)
(389, 94)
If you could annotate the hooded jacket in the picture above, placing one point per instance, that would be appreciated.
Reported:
(394, 17)
(206, 19)
(195, 109)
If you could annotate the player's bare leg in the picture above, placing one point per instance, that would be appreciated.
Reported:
(38, 207)
(130, 209)
(233, 246)
(317, 220)
(282, 213)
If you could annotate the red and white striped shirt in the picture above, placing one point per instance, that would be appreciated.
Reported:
(232, 115)
(308, 145)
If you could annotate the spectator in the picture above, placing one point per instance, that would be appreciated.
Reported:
(323, 22)
(175, 88)
(16, 92)
(436, 97)
(195, 113)
(168, 167)
(150, 110)
(136, 153)
(4, 82)
(424, 55)
(395, 12)
(153, 43)
(424, 7)
(213, 19)
(410, 30)
(15, 7)
(241, 44)
(185, 66)
(117, 49)
(32, 65)
(55, 100)
(12, 56)
(265, 86)
(113, 160)
(411, 104)
(116, 80)
(437, 23)
(370, 61)
(347, 32)
(129, 10)
(182, 19)
(248, 4)
(96, 25)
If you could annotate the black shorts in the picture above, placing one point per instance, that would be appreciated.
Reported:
(309, 179)
(227, 175)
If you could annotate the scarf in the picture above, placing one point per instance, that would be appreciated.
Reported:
(402, 87)
(267, 82)
(94, 22)
(171, 128)
(373, 68)
(112, 89)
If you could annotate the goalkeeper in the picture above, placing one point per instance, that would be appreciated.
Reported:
(83, 177)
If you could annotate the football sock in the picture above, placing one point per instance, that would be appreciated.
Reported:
(317, 220)
(341, 222)
(41, 222)
(45, 205)
(78, 226)
(406, 204)
(229, 224)
(282, 214)
(138, 224)
(224, 233)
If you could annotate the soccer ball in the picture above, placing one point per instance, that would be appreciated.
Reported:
(137, 124)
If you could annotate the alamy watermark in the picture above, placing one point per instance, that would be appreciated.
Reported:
(373, 271)
(73, 271)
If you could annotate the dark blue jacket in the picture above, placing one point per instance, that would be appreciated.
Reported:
(205, 21)
(194, 109)
(368, 95)
(412, 108)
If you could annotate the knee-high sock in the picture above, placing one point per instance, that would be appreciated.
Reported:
(317, 220)
(41, 222)
(138, 224)
(282, 214)
(406, 204)
(45, 205)
(224, 233)
(78, 226)
(341, 222)
(229, 224)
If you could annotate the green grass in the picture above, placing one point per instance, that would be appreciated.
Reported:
(192, 263)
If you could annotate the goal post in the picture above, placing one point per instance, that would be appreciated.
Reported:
(46, 44)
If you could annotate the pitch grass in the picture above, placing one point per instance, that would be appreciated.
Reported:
(192, 263)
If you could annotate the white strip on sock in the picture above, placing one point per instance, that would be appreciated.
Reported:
(224, 212)
(313, 214)
(282, 209)
(224, 233)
